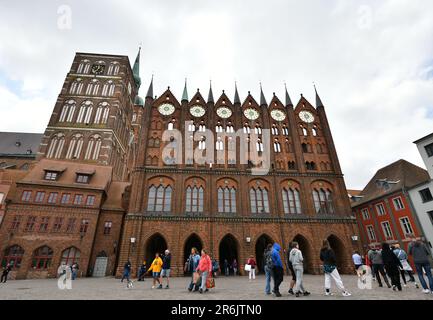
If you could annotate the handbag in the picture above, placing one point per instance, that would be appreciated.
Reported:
(247, 267)
(195, 277)
(210, 283)
(406, 265)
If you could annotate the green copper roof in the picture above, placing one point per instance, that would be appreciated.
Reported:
(185, 93)
(136, 70)
(139, 101)
(149, 93)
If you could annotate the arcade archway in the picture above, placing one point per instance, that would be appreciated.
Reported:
(228, 251)
(155, 243)
(305, 247)
(193, 241)
(338, 247)
(261, 244)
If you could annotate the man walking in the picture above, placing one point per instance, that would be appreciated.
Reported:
(269, 265)
(278, 270)
(420, 254)
(375, 257)
(166, 265)
(5, 273)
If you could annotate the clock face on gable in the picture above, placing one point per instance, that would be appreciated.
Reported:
(98, 68)
(278, 115)
(166, 109)
(251, 114)
(306, 116)
(224, 112)
(197, 111)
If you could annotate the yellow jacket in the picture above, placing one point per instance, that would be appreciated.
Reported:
(156, 265)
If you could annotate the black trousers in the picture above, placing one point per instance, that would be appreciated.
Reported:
(4, 276)
(394, 274)
(278, 274)
(410, 274)
(378, 270)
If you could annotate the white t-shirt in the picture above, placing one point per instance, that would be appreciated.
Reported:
(357, 259)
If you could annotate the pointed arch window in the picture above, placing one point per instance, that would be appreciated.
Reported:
(70, 256)
(219, 128)
(202, 128)
(56, 146)
(258, 129)
(314, 130)
(108, 89)
(159, 199)
(247, 129)
(75, 147)
(85, 112)
(285, 131)
(277, 146)
(194, 199)
(170, 125)
(42, 257)
(93, 87)
(219, 144)
(191, 127)
(259, 200)
(323, 201)
(113, 69)
(230, 128)
(101, 114)
(291, 201)
(304, 131)
(259, 146)
(93, 148)
(226, 200)
(67, 113)
(13, 256)
(76, 86)
(274, 130)
(84, 67)
(202, 144)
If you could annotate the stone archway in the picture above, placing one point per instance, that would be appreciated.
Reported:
(156, 243)
(261, 244)
(305, 247)
(228, 250)
(193, 241)
(338, 247)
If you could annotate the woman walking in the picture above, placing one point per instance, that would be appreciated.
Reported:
(327, 255)
(402, 256)
(391, 263)
(252, 263)
(156, 268)
(205, 270)
(297, 261)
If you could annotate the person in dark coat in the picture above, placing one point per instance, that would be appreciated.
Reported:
(392, 264)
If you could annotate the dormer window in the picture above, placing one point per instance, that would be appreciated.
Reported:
(51, 175)
(83, 178)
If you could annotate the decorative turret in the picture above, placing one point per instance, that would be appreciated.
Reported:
(262, 97)
(210, 96)
(185, 93)
(149, 93)
(236, 100)
(288, 100)
(136, 70)
(139, 101)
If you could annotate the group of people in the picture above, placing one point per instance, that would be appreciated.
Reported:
(68, 269)
(273, 266)
(392, 261)
(230, 266)
(201, 268)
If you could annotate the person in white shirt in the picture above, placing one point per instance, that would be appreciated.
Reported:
(357, 261)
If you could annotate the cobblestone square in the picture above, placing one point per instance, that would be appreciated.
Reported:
(231, 288)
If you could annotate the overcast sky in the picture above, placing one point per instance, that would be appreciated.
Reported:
(372, 61)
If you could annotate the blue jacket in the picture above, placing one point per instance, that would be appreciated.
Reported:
(194, 261)
(276, 255)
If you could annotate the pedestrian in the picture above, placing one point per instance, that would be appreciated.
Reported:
(406, 268)
(268, 266)
(205, 270)
(357, 261)
(375, 257)
(142, 271)
(193, 262)
(126, 274)
(297, 261)
(420, 254)
(235, 267)
(226, 267)
(156, 268)
(278, 270)
(292, 271)
(5, 273)
(327, 256)
(75, 267)
(215, 267)
(166, 266)
(252, 263)
(392, 264)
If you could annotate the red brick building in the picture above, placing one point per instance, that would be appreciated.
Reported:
(105, 189)
(384, 211)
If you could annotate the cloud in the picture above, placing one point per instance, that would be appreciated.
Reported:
(372, 61)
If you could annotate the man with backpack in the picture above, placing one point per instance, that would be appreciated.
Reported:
(267, 259)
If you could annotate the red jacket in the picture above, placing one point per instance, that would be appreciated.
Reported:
(251, 262)
(205, 264)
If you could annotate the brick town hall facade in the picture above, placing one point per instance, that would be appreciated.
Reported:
(103, 188)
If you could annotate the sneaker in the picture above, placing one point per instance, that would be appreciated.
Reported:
(416, 285)
(160, 286)
(201, 290)
(346, 294)
(306, 293)
(153, 287)
(394, 288)
(189, 289)
(291, 292)
(328, 293)
(426, 291)
(297, 294)
(167, 287)
(405, 285)
(277, 294)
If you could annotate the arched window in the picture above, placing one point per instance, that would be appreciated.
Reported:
(93, 148)
(291, 165)
(84, 67)
(75, 146)
(258, 129)
(226, 200)
(101, 115)
(259, 200)
(108, 89)
(230, 128)
(247, 129)
(93, 87)
(159, 199)
(194, 199)
(274, 130)
(191, 127)
(68, 111)
(13, 256)
(202, 128)
(314, 130)
(170, 125)
(219, 128)
(310, 165)
(42, 258)
(70, 256)
(323, 201)
(85, 112)
(134, 117)
(76, 86)
(56, 146)
(219, 144)
(304, 148)
(277, 147)
(304, 131)
(202, 144)
(285, 131)
(113, 69)
(259, 146)
(291, 201)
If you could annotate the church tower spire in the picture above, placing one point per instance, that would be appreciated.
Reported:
(236, 100)
(318, 100)
(136, 70)
(185, 93)
(262, 97)
(210, 96)
(149, 93)
(288, 100)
